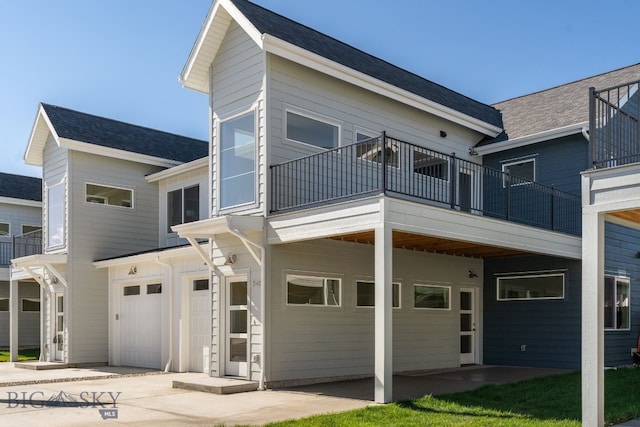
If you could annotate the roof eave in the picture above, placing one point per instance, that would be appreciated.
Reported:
(177, 170)
(115, 153)
(20, 202)
(33, 154)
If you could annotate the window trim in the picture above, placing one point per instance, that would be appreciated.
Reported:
(256, 184)
(8, 305)
(193, 284)
(181, 188)
(445, 161)
(63, 203)
(393, 283)
(8, 229)
(431, 285)
(627, 280)
(531, 275)
(115, 187)
(37, 227)
(312, 116)
(22, 310)
(324, 279)
(518, 162)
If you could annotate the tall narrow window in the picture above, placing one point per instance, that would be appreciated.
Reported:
(55, 216)
(237, 161)
(183, 205)
(616, 302)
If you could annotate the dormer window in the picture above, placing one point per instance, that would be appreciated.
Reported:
(183, 205)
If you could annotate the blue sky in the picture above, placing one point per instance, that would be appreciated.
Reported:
(121, 58)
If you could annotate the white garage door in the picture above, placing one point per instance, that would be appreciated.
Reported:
(141, 325)
(199, 325)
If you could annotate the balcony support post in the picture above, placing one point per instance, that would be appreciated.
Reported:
(383, 359)
(13, 320)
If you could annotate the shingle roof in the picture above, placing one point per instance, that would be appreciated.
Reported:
(20, 187)
(268, 22)
(559, 106)
(124, 136)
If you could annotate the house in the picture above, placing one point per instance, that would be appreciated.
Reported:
(97, 203)
(352, 224)
(20, 218)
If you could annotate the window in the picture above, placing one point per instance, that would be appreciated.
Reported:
(4, 304)
(311, 131)
(131, 290)
(369, 148)
(30, 228)
(522, 170)
(112, 196)
(183, 206)
(238, 161)
(616, 302)
(308, 290)
(532, 286)
(201, 285)
(433, 297)
(4, 229)
(365, 294)
(31, 304)
(55, 216)
(430, 165)
(154, 288)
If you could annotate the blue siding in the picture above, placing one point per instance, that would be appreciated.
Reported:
(621, 246)
(550, 329)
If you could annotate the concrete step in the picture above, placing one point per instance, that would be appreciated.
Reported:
(217, 385)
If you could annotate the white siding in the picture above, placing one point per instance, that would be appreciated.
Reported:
(238, 86)
(17, 216)
(314, 342)
(28, 322)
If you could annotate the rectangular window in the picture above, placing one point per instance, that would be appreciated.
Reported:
(430, 165)
(154, 288)
(532, 286)
(523, 171)
(201, 285)
(433, 297)
(55, 216)
(237, 161)
(4, 229)
(31, 304)
(616, 302)
(365, 294)
(105, 195)
(370, 148)
(30, 228)
(4, 304)
(183, 206)
(131, 290)
(308, 290)
(311, 131)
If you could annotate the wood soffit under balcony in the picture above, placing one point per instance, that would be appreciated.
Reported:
(402, 240)
(633, 215)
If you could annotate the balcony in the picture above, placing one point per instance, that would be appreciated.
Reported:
(385, 165)
(614, 125)
(21, 246)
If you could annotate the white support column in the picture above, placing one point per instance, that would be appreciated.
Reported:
(592, 317)
(14, 307)
(383, 314)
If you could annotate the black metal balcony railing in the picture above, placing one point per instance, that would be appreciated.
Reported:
(416, 173)
(27, 244)
(6, 253)
(614, 125)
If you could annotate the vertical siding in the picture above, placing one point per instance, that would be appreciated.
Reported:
(101, 231)
(621, 247)
(550, 329)
(309, 342)
(236, 87)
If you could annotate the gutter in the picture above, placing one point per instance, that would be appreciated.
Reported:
(170, 267)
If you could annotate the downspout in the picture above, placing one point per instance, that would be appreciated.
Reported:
(170, 267)
(585, 133)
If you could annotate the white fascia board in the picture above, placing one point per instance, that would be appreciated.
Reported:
(208, 228)
(162, 253)
(39, 260)
(532, 139)
(99, 150)
(20, 202)
(38, 138)
(178, 170)
(317, 62)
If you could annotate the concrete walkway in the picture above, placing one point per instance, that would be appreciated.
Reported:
(142, 397)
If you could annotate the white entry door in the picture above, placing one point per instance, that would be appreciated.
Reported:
(468, 335)
(58, 335)
(141, 325)
(237, 320)
(199, 325)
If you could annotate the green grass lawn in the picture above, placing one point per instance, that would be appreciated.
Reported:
(24, 354)
(547, 401)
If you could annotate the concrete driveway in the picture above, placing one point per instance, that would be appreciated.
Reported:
(138, 397)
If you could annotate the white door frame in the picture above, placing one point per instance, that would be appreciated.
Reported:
(472, 356)
(235, 368)
(58, 335)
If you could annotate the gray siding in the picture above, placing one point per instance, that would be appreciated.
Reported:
(309, 342)
(237, 82)
(550, 329)
(101, 231)
(28, 322)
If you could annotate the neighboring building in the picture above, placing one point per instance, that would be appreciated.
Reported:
(20, 215)
(97, 203)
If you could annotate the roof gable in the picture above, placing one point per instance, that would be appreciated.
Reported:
(20, 187)
(68, 125)
(259, 23)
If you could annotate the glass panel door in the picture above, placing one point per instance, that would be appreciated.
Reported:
(58, 334)
(467, 326)
(237, 325)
